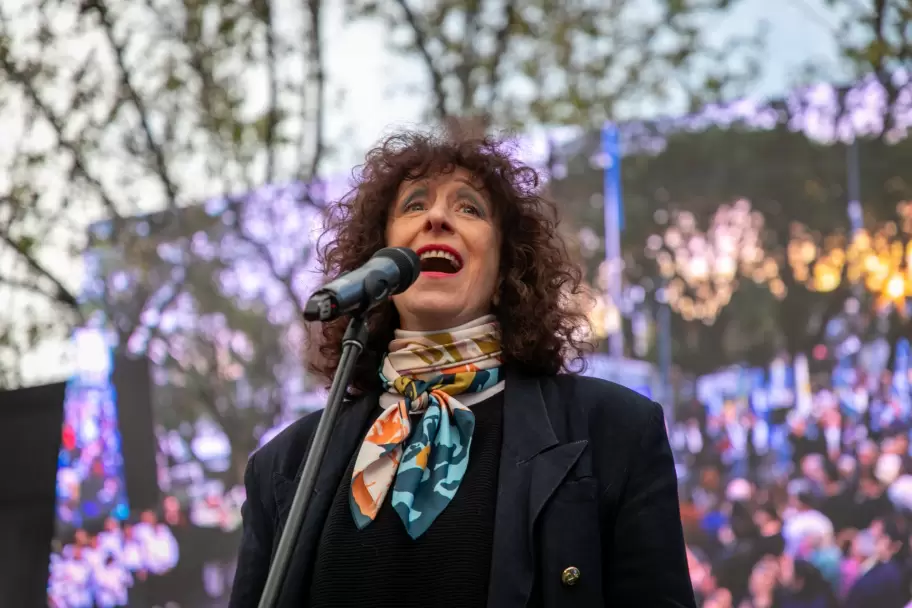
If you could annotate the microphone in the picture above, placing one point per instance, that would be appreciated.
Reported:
(390, 271)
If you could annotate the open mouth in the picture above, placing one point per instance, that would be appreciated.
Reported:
(437, 259)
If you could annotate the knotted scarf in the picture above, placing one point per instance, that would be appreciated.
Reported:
(436, 376)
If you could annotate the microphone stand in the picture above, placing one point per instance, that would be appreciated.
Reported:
(353, 343)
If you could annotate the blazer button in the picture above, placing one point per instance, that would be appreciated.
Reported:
(570, 576)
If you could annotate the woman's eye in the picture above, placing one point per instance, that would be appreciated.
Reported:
(470, 209)
(414, 206)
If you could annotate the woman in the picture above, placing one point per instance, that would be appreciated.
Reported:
(469, 471)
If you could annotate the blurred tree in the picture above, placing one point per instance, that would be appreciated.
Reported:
(683, 171)
(809, 276)
(789, 162)
(512, 63)
(217, 314)
(669, 170)
(881, 261)
(113, 109)
(874, 38)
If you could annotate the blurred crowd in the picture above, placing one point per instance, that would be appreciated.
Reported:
(180, 553)
(122, 565)
(176, 556)
(806, 505)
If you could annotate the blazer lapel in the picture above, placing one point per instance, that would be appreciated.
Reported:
(533, 464)
(350, 426)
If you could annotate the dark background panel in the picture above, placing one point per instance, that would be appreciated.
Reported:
(30, 423)
(137, 431)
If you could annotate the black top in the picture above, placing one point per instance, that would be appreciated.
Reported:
(448, 566)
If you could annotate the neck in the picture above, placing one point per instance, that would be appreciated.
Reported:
(411, 330)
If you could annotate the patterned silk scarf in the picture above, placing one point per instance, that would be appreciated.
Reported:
(437, 376)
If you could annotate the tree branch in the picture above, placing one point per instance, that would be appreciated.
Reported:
(35, 289)
(881, 69)
(61, 294)
(469, 56)
(421, 44)
(17, 76)
(263, 8)
(501, 40)
(203, 387)
(208, 398)
(142, 296)
(316, 60)
(101, 8)
(264, 253)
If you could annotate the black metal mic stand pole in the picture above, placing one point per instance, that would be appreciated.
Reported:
(353, 344)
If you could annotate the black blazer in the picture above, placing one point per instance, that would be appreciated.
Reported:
(587, 504)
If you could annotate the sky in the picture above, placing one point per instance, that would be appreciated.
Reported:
(359, 64)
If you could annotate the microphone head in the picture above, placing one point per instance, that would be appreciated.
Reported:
(408, 263)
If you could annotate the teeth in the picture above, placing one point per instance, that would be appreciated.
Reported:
(436, 253)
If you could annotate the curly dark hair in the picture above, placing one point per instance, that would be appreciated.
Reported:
(540, 320)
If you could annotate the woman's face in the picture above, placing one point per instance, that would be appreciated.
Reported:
(450, 223)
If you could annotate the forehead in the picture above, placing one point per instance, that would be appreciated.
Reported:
(456, 177)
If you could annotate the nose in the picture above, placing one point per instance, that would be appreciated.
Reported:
(438, 217)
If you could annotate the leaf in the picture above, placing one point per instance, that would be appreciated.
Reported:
(173, 83)
(26, 245)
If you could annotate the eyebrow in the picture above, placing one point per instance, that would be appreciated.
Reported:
(415, 191)
(468, 188)
(479, 196)
(473, 193)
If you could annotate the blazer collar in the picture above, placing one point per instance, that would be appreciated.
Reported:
(533, 464)
(527, 429)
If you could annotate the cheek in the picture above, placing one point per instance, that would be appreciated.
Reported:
(488, 274)
(488, 244)
(492, 267)
(392, 236)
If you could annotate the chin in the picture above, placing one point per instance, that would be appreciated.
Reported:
(444, 316)
(436, 310)
(432, 300)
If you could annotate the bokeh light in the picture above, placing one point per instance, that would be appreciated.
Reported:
(703, 268)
